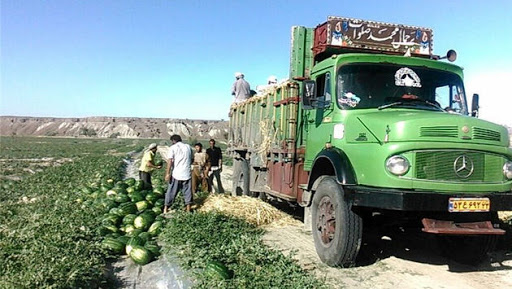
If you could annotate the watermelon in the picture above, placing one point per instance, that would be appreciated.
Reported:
(153, 248)
(128, 219)
(144, 193)
(124, 239)
(107, 229)
(158, 191)
(218, 270)
(121, 188)
(145, 236)
(159, 218)
(113, 245)
(136, 197)
(140, 255)
(160, 203)
(139, 184)
(157, 182)
(129, 228)
(122, 198)
(108, 204)
(150, 214)
(155, 228)
(157, 210)
(112, 219)
(116, 211)
(127, 208)
(104, 188)
(152, 198)
(134, 241)
(130, 190)
(142, 205)
(130, 181)
(143, 221)
(134, 232)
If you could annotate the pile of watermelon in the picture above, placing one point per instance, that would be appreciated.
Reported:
(133, 217)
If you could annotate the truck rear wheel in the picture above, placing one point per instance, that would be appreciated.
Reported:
(240, 178)
(337, 230)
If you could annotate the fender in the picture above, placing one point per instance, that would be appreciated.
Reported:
(333, 162)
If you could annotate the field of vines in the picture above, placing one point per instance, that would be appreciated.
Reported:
(59, 203)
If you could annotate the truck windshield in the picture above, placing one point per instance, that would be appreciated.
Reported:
(361, 86)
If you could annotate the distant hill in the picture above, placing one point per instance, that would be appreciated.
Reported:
(112, 127)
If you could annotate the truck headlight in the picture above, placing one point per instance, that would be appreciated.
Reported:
(397, 165)
(507, 170)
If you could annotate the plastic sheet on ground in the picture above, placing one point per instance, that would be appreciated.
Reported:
(163, 273)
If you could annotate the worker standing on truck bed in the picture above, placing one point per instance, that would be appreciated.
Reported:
(241, 88)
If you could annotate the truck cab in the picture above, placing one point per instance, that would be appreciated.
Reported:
(372, 122)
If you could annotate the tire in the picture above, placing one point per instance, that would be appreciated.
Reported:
(469, 250)
(337, 230)
(240, 178)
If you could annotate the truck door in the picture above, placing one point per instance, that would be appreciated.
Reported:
(319, 118)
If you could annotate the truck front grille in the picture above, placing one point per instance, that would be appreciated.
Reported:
(459, 166)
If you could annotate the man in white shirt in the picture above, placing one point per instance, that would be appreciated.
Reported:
(180, 159)
(241, 89)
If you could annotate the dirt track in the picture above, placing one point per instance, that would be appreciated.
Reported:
(398, 259)
(391, 257)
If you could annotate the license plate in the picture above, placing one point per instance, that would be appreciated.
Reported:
(469, 205)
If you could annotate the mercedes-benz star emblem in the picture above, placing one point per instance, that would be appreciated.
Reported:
(463, 166)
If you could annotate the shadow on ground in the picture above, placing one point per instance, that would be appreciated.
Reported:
(383, 239)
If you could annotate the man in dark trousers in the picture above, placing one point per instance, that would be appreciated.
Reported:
(178, 173)
(215, 156)
(147, 165)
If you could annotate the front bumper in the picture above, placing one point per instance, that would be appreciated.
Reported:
(408, 200)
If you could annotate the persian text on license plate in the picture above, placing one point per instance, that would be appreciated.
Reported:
(469, 205)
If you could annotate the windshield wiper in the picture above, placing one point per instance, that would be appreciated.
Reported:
(389, 105)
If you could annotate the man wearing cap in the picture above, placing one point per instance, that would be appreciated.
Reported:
(147, 165)
(241, 88)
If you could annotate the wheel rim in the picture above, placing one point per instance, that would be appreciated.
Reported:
(326, 221)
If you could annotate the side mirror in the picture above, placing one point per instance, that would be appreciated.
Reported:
(474, 105)
(308, 93)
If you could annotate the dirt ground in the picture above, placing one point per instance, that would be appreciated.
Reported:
(391, 257)
(399, 259)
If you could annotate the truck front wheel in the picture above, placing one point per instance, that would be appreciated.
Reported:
(337, 230)
(240, 178)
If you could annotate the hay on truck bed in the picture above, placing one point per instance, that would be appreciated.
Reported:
(253, 210)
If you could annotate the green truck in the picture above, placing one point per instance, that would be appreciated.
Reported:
(372, 122)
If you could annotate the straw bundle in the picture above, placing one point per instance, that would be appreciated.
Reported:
(268, 138)
(253, 210)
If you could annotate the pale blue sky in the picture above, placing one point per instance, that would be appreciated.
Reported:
(176, 59)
